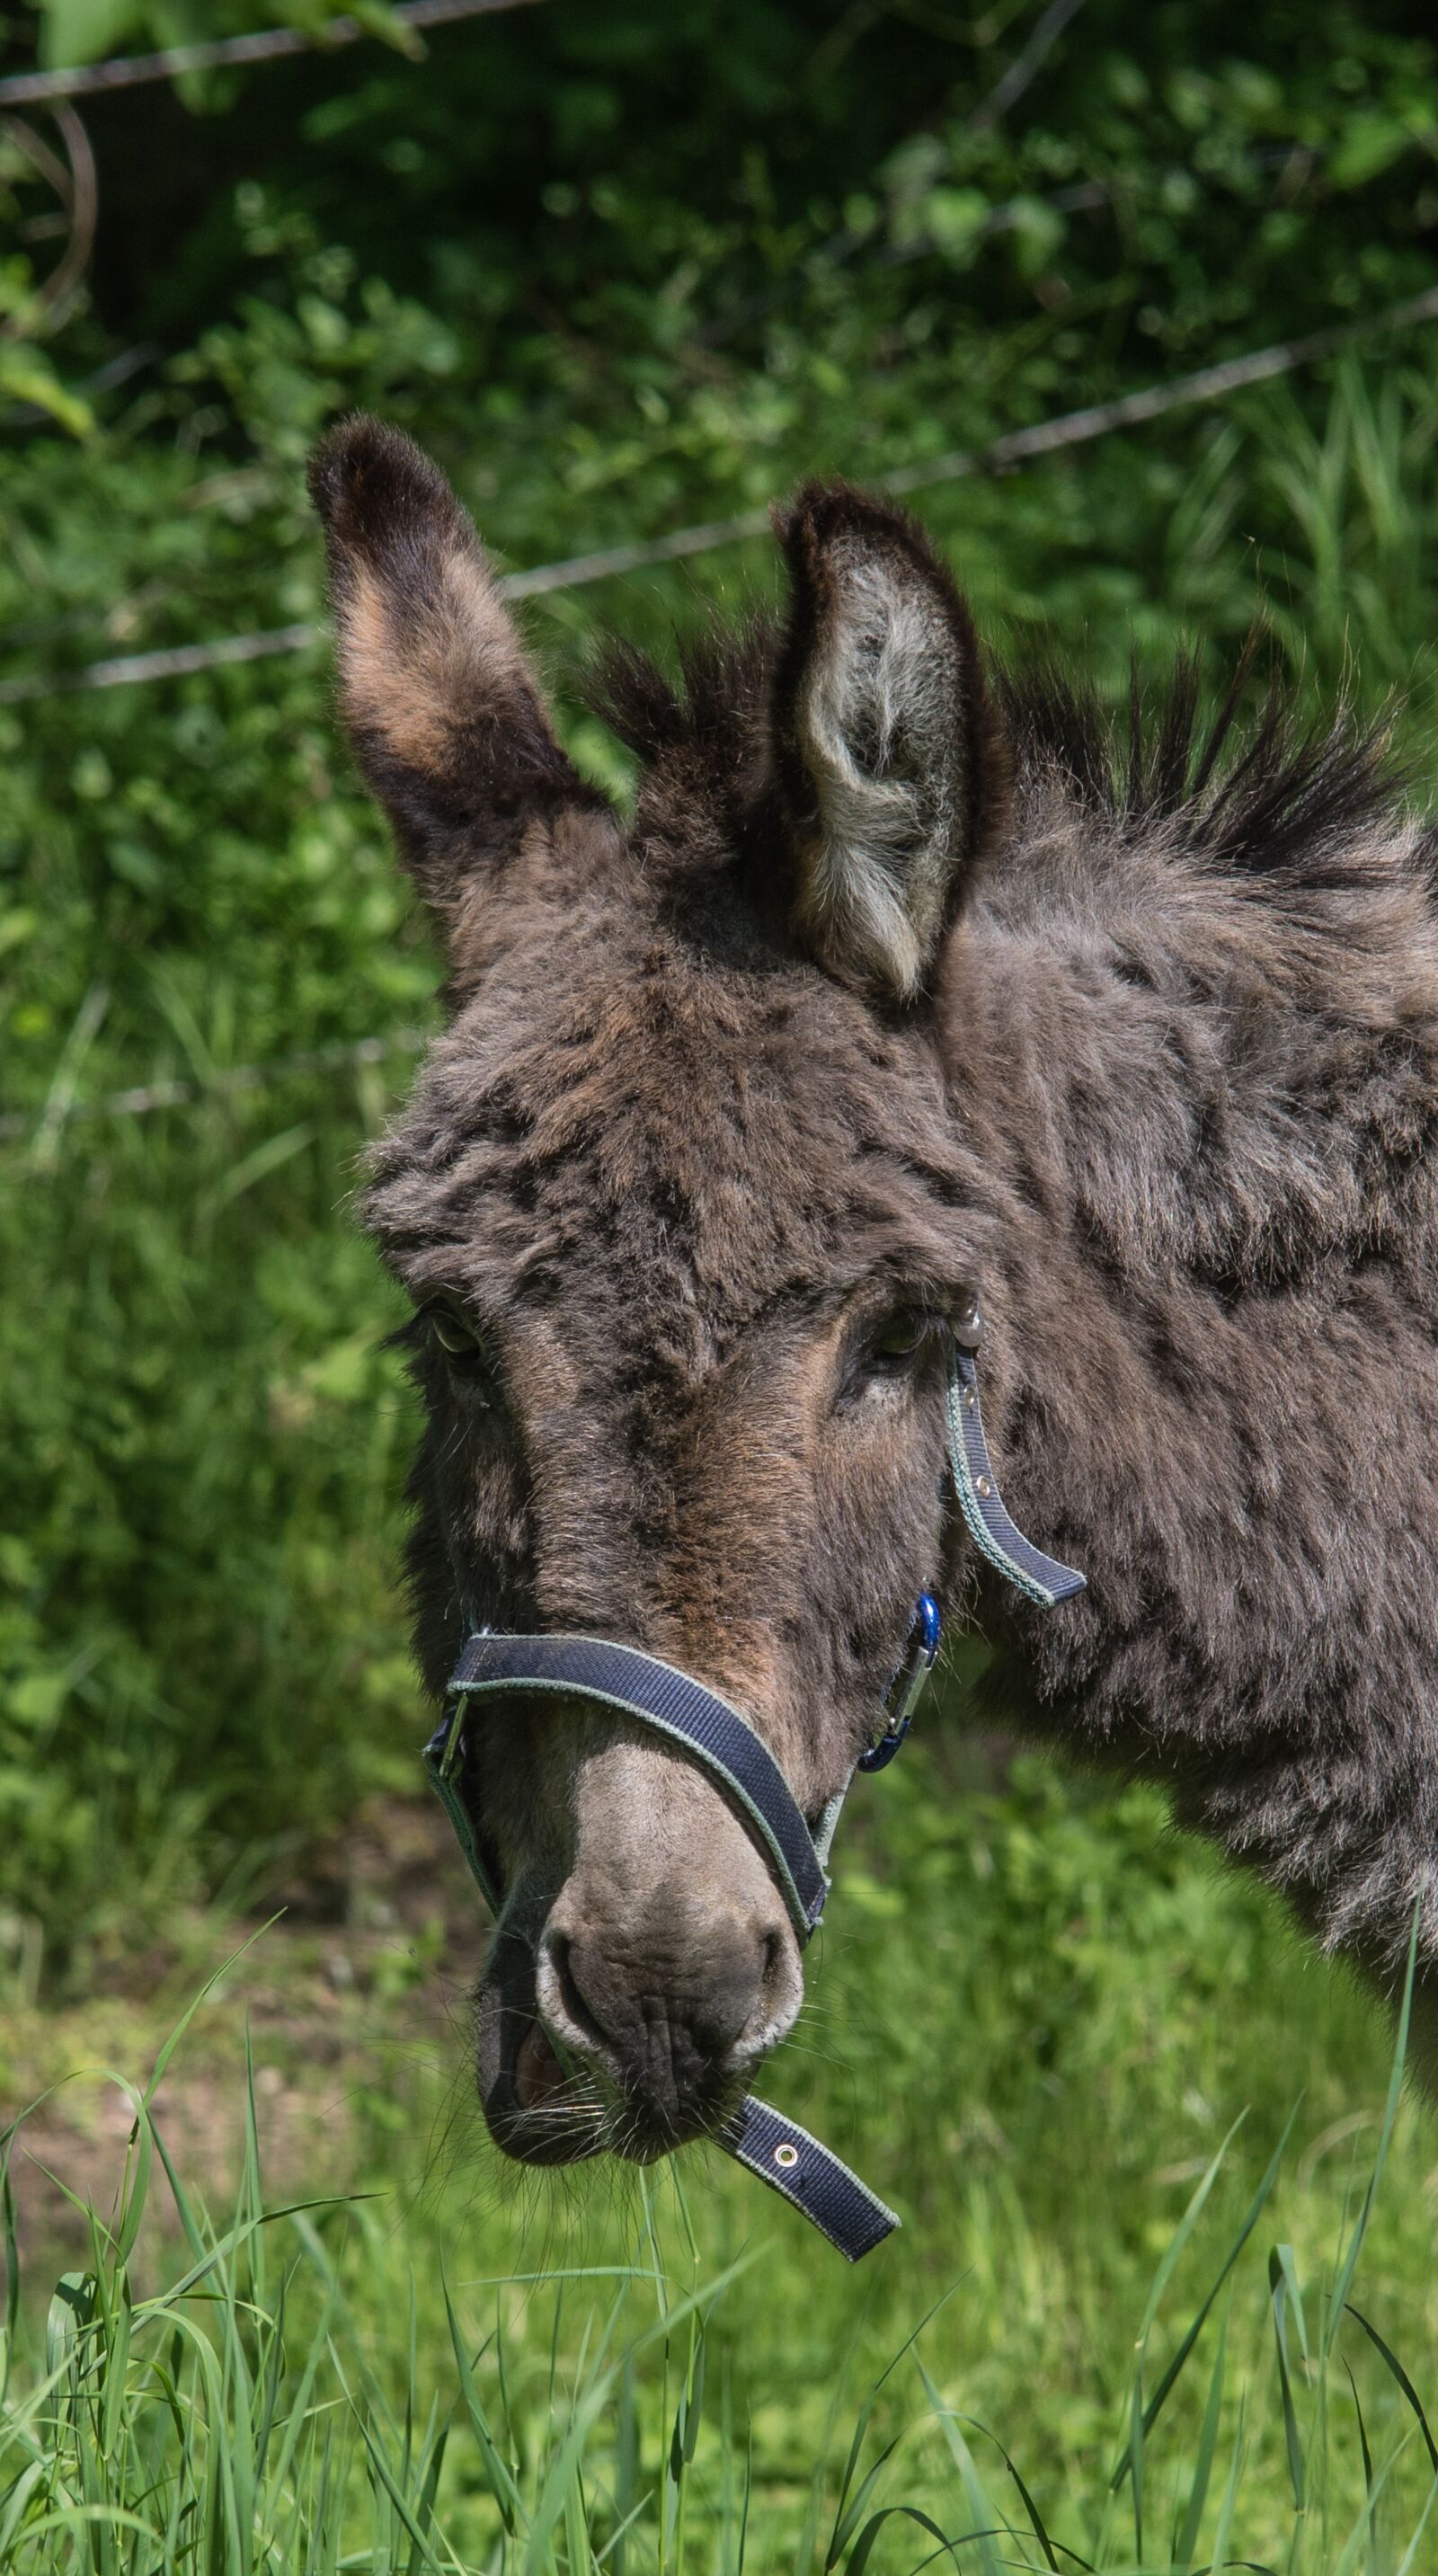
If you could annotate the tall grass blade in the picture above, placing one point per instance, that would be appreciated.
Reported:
(422, 2555)
(626, 2465)
(1367, 2455)
(1036, 2520)
(12, 2272)
(853, 2507)
(1390, 2358)
(1345, 2564)
(168, 2046)
(1339, 2298)
(1219, 2563)
(865, 2415)
(1136, 2457)
(1187, 2547)
(503, 2483)
(1278, 2302)
(989, 2523)
(135, 2187)
(183, 2210)
(1170, 2376)
(1184, 2231)
(863, 2549)
(1409, 2559)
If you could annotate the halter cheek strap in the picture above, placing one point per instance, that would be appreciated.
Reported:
(658, 1695)
(1042, 1579)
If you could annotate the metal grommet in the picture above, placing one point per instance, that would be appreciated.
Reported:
(983, 1486)
(970, 1398)
(786, 2155)
(968, 1327)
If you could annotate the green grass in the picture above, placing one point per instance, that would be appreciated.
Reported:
(1118, 2313)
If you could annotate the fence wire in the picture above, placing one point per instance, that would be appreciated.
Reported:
(1070, 429)
(574, 572)
(131, 71)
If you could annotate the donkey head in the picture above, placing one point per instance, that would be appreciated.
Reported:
(680, 1208)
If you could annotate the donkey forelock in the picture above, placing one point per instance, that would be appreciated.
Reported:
(900, 983)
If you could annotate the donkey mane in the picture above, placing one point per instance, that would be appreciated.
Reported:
(1245, 788)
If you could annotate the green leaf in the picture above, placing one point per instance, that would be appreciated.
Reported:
(1395, 2366)
(26, 377)
(84, 31)
(1372, 142)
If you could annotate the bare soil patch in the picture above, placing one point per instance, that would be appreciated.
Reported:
(355, 2006)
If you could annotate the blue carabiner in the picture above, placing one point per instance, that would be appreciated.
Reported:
(906, 1684)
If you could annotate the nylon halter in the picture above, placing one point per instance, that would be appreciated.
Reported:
(714, 1734)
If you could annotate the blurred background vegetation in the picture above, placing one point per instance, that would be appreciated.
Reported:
(622, 269)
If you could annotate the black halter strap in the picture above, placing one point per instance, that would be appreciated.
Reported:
(619, 1677)
(806, 2173)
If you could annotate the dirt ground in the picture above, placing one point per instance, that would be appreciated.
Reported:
(355, 2004)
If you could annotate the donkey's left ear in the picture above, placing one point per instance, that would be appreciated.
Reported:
(444, 711)
(892, 764)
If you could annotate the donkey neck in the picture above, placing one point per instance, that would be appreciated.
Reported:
(1206, 1107)
(1224, 1076)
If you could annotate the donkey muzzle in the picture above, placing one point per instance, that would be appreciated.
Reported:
(668, 2004)
(662, 2043)
(609, 2051)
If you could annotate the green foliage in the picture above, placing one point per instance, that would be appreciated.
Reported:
(86, 31)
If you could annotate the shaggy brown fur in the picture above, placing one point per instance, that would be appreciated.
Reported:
(897, 989)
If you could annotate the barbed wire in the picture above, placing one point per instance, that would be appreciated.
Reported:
(1026, 66)
(130, 71)
(176, 662)
(1095, 420)
(575, 572)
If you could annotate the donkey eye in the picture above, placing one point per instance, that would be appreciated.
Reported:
(467, 1355)
(898, 1338)
(452, 1336)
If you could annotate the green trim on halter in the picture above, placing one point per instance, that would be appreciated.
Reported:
(1042, 1579)
(441, 1768)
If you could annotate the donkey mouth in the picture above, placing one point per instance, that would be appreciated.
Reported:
(553, 2094)
(539, 2079)
(538, 2110)
(542, 2110)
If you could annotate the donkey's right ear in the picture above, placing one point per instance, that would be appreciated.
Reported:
(447, 720)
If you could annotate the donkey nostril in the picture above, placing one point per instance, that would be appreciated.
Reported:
(579, 2011)
(781, 1992)
(674, 2011)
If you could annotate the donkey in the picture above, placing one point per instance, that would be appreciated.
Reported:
(906, 984)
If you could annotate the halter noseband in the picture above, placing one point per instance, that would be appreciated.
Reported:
(713, 1734)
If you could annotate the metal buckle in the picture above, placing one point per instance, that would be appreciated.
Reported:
(445, 1750)
(906, 1684)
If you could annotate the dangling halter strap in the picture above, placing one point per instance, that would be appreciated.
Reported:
(713, 1733)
